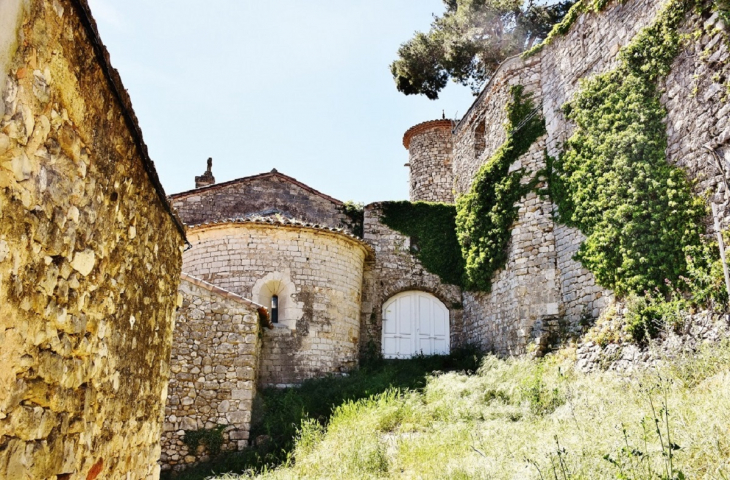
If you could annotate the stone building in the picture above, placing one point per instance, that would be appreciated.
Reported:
(90, 257)
(334, 295)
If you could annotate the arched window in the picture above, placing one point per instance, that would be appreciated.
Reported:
(275, 309)
(277, 293)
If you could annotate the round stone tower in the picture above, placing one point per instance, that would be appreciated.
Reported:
(430, 148)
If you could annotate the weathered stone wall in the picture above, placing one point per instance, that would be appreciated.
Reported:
(89, 259)
(589, 48)
(317, 274)
(260, 195)
(481, 131)
(698, 112)
(430, 148)
(393, 270)
(524, 304)
(213, 365)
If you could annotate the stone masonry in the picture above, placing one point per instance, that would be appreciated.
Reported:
(429, 158)
(318, 273)
(89, 258)
(266, 194)
(214, 366)
(393, 270)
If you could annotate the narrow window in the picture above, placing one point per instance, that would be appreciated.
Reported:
(480, 141)
(275, 309)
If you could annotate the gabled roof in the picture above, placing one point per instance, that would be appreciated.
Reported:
(272, 174)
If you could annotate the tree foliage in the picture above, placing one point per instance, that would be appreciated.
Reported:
(469, 41)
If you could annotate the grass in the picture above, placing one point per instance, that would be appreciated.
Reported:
(527, 419)
(280, 413)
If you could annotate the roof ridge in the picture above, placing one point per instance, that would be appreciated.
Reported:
(273, 173)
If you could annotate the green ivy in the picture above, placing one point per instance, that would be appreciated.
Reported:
(613, 181)
(486, 213)
(212, 438)
(431, 228)
(354, 211)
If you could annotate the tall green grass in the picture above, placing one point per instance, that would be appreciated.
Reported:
(530, 419)
(281, 414)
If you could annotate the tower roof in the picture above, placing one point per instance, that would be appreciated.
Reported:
(423, 127)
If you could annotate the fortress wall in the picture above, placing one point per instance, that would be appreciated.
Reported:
(214, 364)
(698, 112)
(89, 259)
(481, 131)
(393, 270)
(589, 48)
(524, 304)
(258, 195)
(320, 276)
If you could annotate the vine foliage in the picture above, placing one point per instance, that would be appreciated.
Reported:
(212, 438)
(486, 213)
(431, 228)
(613, 181)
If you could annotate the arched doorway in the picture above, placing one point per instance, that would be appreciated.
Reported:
(415, 322)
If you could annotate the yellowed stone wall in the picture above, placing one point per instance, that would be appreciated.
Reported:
(320, 273)
(214, 365)
(89, 259)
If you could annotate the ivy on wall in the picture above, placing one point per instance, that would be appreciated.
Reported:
(432, 231)
(580, 7)
(484, 215)
(613, 181)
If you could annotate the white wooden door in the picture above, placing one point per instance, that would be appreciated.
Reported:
(415, 322)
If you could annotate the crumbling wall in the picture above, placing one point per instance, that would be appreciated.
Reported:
(214, 363)
(89, 259)
(317, 274)
(392, 270)
(260, 195)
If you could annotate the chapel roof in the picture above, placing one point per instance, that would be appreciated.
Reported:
(272, 174)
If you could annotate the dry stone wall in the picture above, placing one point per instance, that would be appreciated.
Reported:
(698, 112)
(214, 364)
(321, 273)
(430, 148)
(89, 259)
(260, 195)
(393, 270)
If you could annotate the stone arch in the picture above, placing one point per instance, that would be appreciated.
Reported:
(280, 284)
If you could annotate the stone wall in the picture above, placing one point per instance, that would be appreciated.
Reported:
(698, 108)
(481, 131)
(260, 195)
(316, 273)
(214, 363)
(430, 148)
(393, 270)
(524, 305)
(89, 258)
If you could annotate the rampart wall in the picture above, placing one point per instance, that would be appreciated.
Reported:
(89, 258)
(214, 366)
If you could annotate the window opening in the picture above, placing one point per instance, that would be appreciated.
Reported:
(275, 309)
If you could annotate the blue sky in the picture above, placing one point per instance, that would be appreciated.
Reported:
(302, 86)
